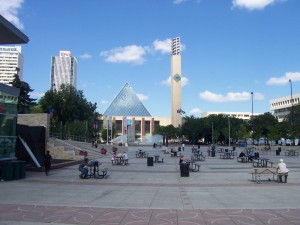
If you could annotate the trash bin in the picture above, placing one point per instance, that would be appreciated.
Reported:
(22, 169)
(184, 170)
(277, 152)
(256, 155)
(7, 171)
(16, 170)
(149, 161)
(213, 153)
(179, 149)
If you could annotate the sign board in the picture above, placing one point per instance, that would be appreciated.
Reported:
(107, 123)
(130, 134)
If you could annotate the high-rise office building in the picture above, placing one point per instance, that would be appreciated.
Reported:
(11, 63)
(176, 110)
(63, 70)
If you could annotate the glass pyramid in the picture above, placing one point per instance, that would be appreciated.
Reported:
(127, 103)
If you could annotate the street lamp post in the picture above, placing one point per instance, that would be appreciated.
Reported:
(212, 132)
(228, 131)
(292, 108)
(252, 119)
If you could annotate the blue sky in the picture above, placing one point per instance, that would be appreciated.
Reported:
(230, 48)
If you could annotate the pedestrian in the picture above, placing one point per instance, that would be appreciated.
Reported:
(83, 168)
(282, 171)
(47, 162)
(181, 159)
(183, 146)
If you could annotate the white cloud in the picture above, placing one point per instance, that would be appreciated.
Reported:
(165, 46)
(184, 81)
(9, 10)
(195, 111)
(129, 54)
(104, 102)
(162, 46)
(85, 56)
(229, 97)
(253, 4)
(179, 1)
(142, 97)
(293, 76)
(136, 54)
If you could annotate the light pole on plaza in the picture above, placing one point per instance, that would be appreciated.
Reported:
(252, 119)
(228, 131)
(292, 108)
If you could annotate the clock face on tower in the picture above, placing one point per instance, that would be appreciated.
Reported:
(177, 77)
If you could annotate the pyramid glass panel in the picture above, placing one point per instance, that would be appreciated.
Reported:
(127, 103)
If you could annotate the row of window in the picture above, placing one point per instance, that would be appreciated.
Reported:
(8, 49)
(286, 102)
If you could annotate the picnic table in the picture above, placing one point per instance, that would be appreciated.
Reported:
(291, 153)
(141, 154)
(227, 155)
(95, 171)
(243, 159)
(258, 173)
(262, 162)
(118, 160)
(193, 165)
(198, 157)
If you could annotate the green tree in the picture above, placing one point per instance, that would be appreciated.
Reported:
(192, 129)
(168, 132)
(263, 126)
(24, 101)
(67, 106)
(292, 122)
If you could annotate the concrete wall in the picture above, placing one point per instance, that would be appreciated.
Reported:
(36, 119)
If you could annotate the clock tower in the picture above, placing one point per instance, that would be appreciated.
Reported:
(176, 110)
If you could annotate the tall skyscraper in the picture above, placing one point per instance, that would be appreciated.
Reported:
(176, 110)
(11, 63)
(63, 70)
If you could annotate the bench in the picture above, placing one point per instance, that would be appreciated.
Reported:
(102, 174)
(257, 174)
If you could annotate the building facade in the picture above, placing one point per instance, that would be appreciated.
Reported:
(176, 111)
(129, 116)
(238, 115)
(282, 106)
(140, 126)
(63, 70)
(11, 63)
(8, 120)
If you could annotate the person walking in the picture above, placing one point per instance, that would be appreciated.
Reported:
(47, 162)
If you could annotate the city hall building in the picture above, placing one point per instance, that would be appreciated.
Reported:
(128, 115)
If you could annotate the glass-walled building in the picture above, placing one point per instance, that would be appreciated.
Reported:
(8, 120)
(127, 114)
(63, 70)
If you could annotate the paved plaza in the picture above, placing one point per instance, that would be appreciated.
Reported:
(221, 193)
